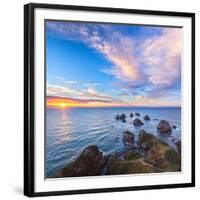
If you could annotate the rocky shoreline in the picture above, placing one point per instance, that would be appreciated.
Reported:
(143, 154)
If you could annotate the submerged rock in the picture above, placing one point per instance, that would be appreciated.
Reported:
(164, 127)
(137, 122)
(146, 117)
(117, 117)
(124, 120)
(128, 138)
(89, 163)
(131, 115)
(173, 126)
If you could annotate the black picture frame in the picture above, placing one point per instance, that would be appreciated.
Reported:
(29, 104)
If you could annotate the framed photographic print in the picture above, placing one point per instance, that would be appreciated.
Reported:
(108, 99)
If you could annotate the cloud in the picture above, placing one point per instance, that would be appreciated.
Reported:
(149, 101)
(83, 94)
(71, 82)
(124, 94)
(55, 90)
(75, 100)
(162, 58)
(147, 65)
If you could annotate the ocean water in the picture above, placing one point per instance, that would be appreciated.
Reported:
(69, 131)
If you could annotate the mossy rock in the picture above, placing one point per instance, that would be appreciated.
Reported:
(144, 136)
(89, 163)
(130, 167)
(164, 157)
(172, 156)
(148, 144)
(132, 155)
(147, 140)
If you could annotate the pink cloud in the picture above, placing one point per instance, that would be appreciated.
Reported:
(162, 57)
(150, 64)
(88, 94)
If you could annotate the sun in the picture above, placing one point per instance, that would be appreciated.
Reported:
(62, 105)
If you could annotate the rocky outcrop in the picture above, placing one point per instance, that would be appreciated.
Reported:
(143, 154)
(164, 127)
(164, 157)
(146, 117)
(147, 140)
(128, 138)
(137, 122)
(132, 166)
(132, 155)
(89, 163)
(159, 153)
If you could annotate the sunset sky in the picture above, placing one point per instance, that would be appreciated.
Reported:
(94, 65)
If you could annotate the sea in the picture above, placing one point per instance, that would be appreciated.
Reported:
(70, 130)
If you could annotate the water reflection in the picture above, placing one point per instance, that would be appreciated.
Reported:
(65, 128)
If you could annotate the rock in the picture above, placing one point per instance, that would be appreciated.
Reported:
(132, 155)
(146, 117)
(122, 116)
(173, 126)
(124, 120)
(173, 140)
(147, 140)
(117, 117)
(137, 114)
(135, 166)
(128, 138)
(131, 115)
(178, 146)
(155, 119)
(164, 127)
(163, 157)
(137, 122)
(159, 153)
(89, 163)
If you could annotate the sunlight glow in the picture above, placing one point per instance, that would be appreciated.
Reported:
(63, 105)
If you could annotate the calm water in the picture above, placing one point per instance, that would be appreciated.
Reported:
(69, 131)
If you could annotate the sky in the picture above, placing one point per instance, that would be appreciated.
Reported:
(100, 64)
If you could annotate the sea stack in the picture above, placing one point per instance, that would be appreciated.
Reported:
(137, 114)
(164, 127)
(146, 117)
(137, 122)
